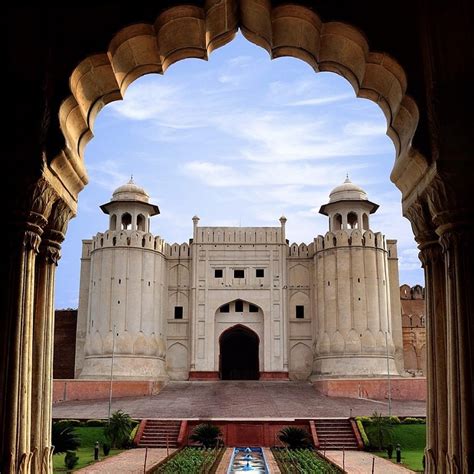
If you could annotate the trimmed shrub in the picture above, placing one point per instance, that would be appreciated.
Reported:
(363, 434)
(73, 423)
(95, 423)
(394, 420)
(364, 419)
(133, 434)
(106, 449)
(413, 421)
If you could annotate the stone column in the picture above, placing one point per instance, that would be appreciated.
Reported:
(435, 301)
(43, 339)
(456, 241)
(17, 328)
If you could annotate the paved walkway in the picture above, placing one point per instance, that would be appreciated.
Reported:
(236, 399)
(129, 462)
(271, 461)
(224, 464)
(360, 462)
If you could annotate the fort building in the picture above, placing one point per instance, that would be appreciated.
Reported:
(239, 302)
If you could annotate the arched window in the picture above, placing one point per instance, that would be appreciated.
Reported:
(113, 222)
(126, 221)
(352, 220)
(337, 222)
(141, 222)
(365, 221)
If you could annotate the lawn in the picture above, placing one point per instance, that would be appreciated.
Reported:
(88, 436)
(412, 440)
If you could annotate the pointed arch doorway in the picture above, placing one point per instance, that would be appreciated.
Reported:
(238, 354)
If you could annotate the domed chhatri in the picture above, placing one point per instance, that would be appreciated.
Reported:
(129, 199)
(130, 192)
(348, 207)
(347, 191)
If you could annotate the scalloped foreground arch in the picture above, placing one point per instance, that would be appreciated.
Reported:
(286, 30)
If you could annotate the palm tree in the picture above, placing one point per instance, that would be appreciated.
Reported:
(206, 434)
(294, 437)
(64, 438)
(382, 429)
(118, 428)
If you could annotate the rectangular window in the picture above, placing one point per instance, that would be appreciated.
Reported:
(239, 274)
(299, 311)
(239, 306)
(260, 272)
(224, 309)
(178, 312)
(253, 308)
(218, 273)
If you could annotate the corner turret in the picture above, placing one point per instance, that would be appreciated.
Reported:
(348, 207)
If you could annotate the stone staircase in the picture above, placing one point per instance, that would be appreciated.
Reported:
(336, 433)
(159, 434)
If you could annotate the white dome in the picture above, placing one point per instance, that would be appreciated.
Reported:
(347, 191)
(130, 192)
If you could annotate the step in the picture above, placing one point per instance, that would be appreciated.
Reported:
(160, 434)
(155, 430)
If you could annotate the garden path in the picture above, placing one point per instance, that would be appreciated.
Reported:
(131, 462)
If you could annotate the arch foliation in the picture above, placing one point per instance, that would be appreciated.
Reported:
(187, 31)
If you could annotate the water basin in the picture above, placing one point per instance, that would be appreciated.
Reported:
(248, 460)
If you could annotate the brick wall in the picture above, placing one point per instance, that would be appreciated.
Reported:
(64, 343)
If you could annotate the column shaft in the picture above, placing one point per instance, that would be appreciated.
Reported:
(459, 269)
(436, 443)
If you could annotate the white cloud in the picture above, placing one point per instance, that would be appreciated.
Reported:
(265, 177)
(408, 259)
(146, 101)
(322, 100)
(365, 129)
(107, 174)
(241, 140)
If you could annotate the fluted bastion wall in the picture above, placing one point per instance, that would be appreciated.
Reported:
(353, 305)
(128, 291)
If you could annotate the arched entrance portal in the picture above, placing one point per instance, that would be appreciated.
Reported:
(238, 358)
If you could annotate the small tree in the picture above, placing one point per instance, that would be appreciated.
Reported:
(294, 437)
(70, 460)
(206, 434)
(64, 438)
(382, 429)
(118, 429)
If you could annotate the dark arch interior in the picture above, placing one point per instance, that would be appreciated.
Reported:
(239, 354)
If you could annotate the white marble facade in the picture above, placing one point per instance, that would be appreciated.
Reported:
(327, 309)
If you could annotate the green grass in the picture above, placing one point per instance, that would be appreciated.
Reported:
(412, 440)
(412, 459)
(88, 438)
(412, 437)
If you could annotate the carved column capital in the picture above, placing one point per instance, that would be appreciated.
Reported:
(421, 223)
(449, 201)
(32, 213)
(430, 253)
(55, 232)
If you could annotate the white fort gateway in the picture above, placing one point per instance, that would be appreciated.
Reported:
(239, 302)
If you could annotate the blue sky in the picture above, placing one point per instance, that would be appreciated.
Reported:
(238, 140)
